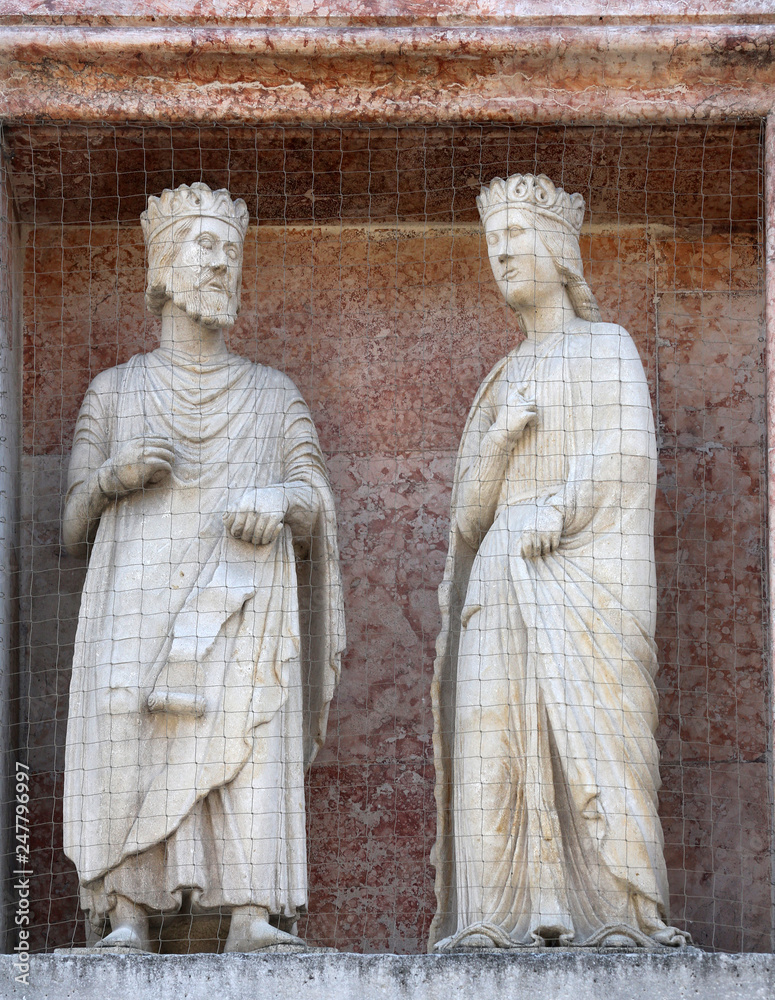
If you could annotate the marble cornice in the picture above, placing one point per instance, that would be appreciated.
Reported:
(391, 74)
(262, 13)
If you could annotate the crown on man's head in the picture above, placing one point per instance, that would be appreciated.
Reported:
(535, 193)
(187, 202)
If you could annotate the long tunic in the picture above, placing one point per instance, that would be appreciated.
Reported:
(157, 803)
(544, 700)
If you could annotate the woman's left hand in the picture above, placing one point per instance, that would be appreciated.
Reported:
(544, 536)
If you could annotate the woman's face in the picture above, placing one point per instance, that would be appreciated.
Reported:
(523, 268)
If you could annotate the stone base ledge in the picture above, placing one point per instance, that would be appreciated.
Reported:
(689, 975)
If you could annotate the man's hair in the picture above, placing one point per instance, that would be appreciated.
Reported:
(161, 258)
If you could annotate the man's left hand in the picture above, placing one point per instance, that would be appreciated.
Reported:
(259, 515)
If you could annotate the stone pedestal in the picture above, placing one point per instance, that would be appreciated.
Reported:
(550, 976)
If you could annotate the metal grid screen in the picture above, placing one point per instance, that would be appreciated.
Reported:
(366, 280)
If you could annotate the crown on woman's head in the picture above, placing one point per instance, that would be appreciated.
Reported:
(187, 202)
(535, 193)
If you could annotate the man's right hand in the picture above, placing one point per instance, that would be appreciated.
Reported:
(140, 462)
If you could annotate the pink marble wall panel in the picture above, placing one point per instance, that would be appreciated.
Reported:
(710, 528)
(388, 329)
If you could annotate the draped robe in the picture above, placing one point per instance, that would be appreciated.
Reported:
(157, 803)
(544, 700)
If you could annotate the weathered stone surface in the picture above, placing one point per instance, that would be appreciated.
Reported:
(550, 976)
(633, 60)
(536, 645)
(556, 71)
(391, 12)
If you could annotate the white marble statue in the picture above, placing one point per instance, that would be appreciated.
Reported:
(544, 699)
(211, 624)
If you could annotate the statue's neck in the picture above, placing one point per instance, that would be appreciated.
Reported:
(541, 322)
(553, 314)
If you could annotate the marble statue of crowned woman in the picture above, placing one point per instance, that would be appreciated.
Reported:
(544, 700)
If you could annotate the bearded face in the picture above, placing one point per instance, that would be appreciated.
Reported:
(206, 272)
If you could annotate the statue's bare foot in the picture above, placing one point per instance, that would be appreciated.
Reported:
(125, 936)
(256, 933)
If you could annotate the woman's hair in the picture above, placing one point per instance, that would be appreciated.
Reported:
(566, 253)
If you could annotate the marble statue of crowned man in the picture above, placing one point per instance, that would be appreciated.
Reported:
(544, 699)
(211, 623)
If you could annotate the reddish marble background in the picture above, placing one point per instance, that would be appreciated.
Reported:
(387, 320)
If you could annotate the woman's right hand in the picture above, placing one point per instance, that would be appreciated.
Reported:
(140, 462)
(518, 411)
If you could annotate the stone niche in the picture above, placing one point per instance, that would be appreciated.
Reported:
(367, 281)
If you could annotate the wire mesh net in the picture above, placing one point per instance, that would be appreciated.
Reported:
(366, 280)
